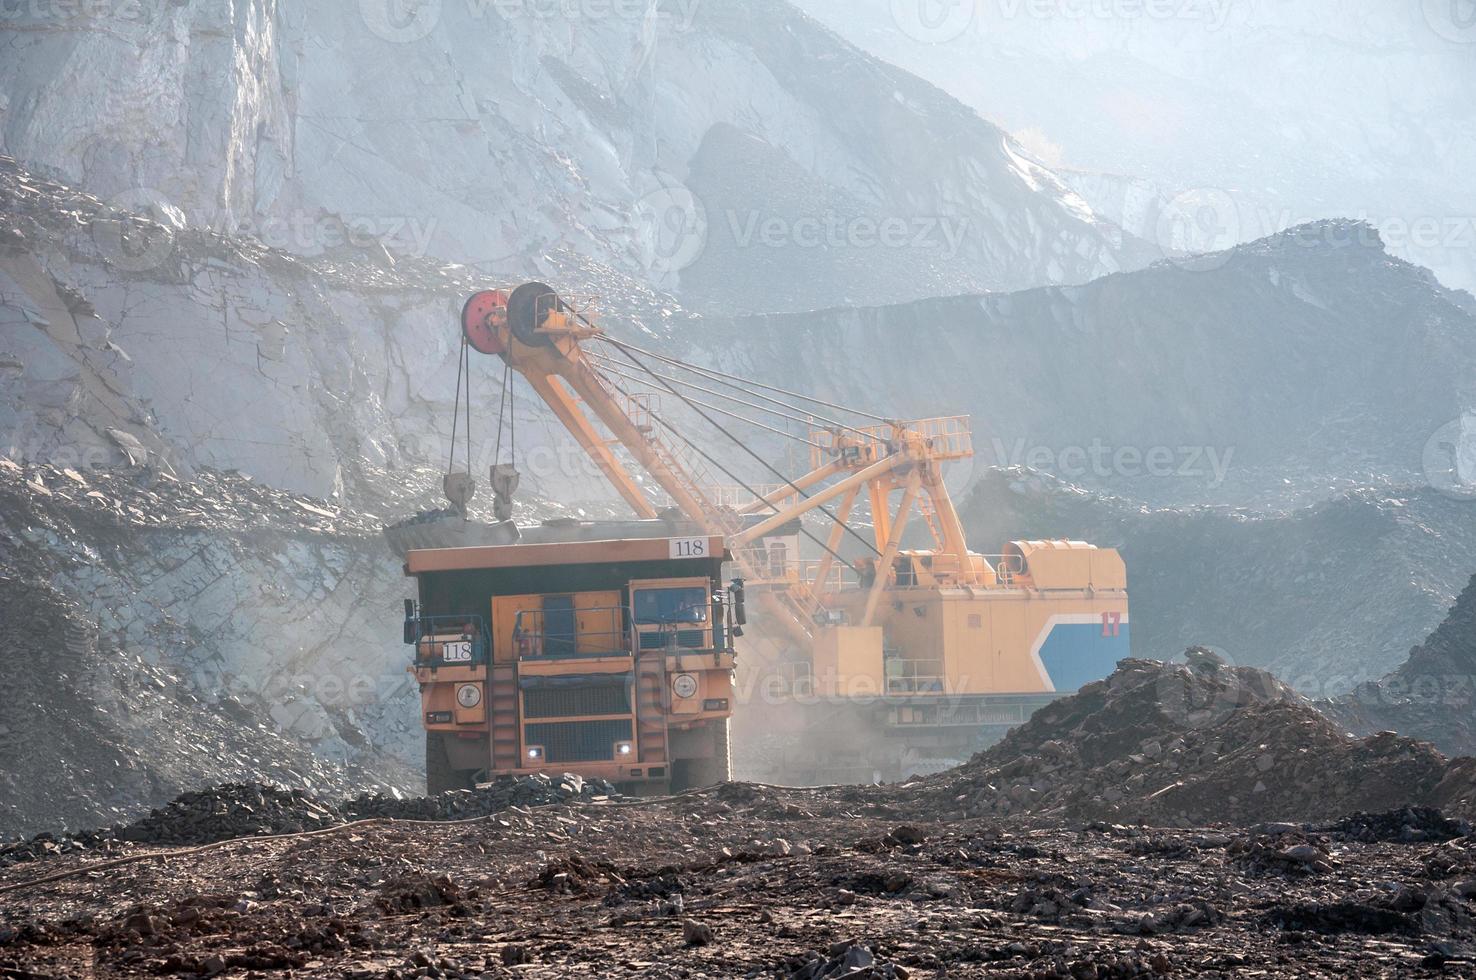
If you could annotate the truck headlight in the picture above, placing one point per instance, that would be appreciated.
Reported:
(535, 752)
(624, 750)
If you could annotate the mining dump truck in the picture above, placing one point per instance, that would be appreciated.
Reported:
(570, 652)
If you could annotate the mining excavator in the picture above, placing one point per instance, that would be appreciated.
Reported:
(865, 658)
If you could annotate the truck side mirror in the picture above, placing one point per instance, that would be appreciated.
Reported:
(735, 597)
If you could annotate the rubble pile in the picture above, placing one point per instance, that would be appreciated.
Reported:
(464, 804)
(235, 810)
(1196, 743)
(222, 813)
(1432, 695)
(1410, 824)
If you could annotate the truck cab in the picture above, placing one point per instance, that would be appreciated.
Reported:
(609, 658)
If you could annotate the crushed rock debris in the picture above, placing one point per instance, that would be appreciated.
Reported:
(697, 885)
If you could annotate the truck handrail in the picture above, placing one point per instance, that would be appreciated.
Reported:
(533, 641)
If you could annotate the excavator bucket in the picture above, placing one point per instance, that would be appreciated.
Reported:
(452, 527)
(446, 529)
(504, 485)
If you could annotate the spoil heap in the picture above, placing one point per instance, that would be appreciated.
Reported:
(1198, 743)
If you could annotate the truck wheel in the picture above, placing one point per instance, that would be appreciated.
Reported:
(439, 776)
(695, 773)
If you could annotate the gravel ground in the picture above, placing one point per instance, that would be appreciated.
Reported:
(750, 880)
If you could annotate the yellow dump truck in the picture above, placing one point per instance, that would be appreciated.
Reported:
(610, 658)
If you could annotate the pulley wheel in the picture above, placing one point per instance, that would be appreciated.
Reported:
(483, 318)
(527, 309)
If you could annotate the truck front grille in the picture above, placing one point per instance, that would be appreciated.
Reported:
(578, 741)
(574, 702)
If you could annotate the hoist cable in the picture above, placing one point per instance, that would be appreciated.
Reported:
(738, 480)
(722, 411)
(744, 383)
(810, 421)
(456, 406)
(741, 445)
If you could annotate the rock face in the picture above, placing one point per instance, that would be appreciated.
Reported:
(162, 635)
(1326, 596)
(1189, 744)
(126, 340)
(490, 133)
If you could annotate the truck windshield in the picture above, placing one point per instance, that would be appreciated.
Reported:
(683, 605)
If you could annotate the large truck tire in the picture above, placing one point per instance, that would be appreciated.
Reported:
(439, 776)
(709, 770)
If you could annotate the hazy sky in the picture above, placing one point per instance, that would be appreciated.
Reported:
(1293, 109)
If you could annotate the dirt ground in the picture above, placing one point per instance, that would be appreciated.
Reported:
(749, 880)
